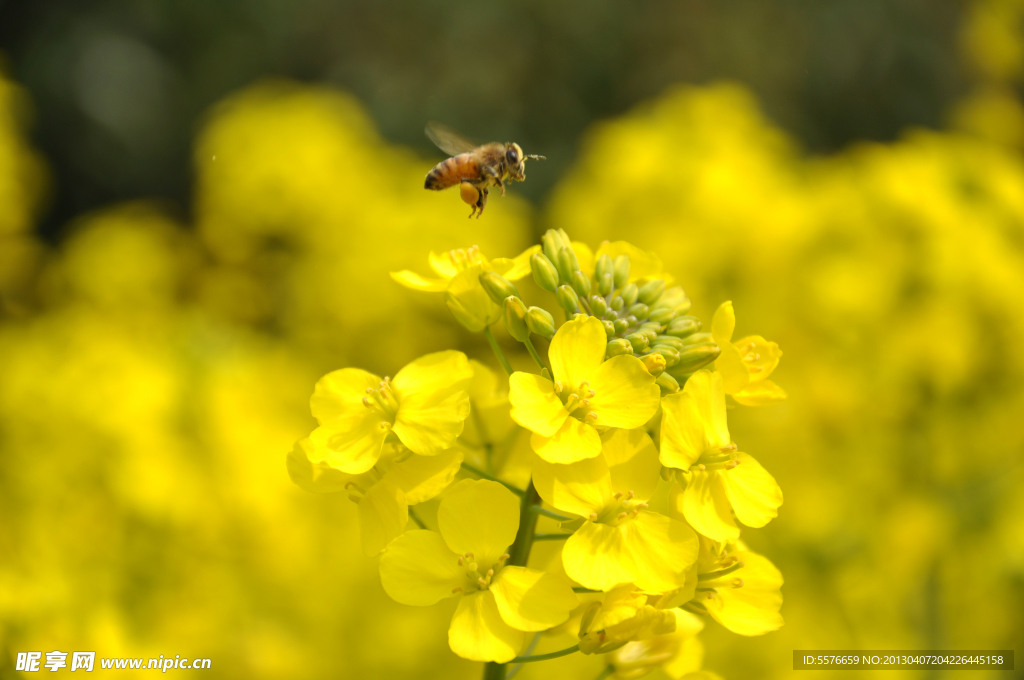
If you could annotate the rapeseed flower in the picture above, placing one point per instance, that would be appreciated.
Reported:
(618, 538)
(587, 396)
(717, 484)
(424, 407)
(678, 653)
(384, 493)
(621, 617)
(499, 603)
(745, 364)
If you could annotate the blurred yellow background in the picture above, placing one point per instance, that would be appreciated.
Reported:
(153, 374)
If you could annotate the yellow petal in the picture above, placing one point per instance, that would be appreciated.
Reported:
(535, 405)
(573, 442)
(626, 394)
(723, 324)
(663, 550)
(469, 302)
(760, 393)
(729, 364)
(577, 350)
(479, 517)
(533, 600)
(351, 444)
(383, 514)
(422, 477)
(432, 401)
(580, 488)
(419, 569)
(478, 633)
(439, 374)
(705, 505)
(596, 557)
(317, 477)
(416, 282)
(632, 462)
(753, 608)
(585, 257)
(760, 356)
(521, 264)
(620, 604)
(682, 431)
(642, 264)
(339, 394)
(754, 494)
(442, 265)
(707, 389)
(489, 421)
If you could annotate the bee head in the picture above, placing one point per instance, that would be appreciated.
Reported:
(514, 161)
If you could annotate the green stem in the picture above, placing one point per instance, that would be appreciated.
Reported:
(480, 473)
(416, 518)
(497, 351)
(494, 671)
(579, 589)
(606, 672)
(553, 515)
(550, 537)
(534, 354)
(529, 650)
(544, 657)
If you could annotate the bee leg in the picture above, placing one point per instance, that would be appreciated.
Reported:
(481, 202)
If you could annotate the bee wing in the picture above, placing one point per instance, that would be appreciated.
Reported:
(447, 139)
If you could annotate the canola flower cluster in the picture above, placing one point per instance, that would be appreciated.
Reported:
(631, 396)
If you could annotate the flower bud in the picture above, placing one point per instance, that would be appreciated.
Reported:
(648, 333)
(568, 299)
(515, 318)
(667, 341)
(695, 357)
(617, 303)
(566, 264)
(651, 291)
(497, 286)
(667, 383)
(541, 322)
(629, 294)
(621, 271)
(604, 266)
(552, 243)
(581, 283)
(654, 363)
(639, 310)
(620, 325)
(609, 328)
(671, 354)
(638, 341)
(683, 326)
(697, 339)
(544, 273)
(619, 346)
(605, 283)
(598, 305)
(662, 316)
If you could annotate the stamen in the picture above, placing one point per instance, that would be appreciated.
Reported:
(621, 516)
(482, 582)
(591, 417)
(618, 495)
(558, 386)
(456, 590)
(630, 495)
(384, 425)
(572, 402)
(367, 403)
(731, 447)
(591, 394)
(593, 517)
(460, 561)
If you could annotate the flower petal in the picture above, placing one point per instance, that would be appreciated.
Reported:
(416, 282)
(760, 393)
(753, 608)
(584, 256)
(432, 376)
(573, 442)
(469, 302)
(705, 505)
(662, 549)
(723, 324)
(521, 264)
(754, 494)
(423, 477)
(709, 392)
(682, 431)
(316, 477)
(442, 265)
(480, 517)
(596, 557)
(632, 462)
(432, 401)
(351, 444)
(533, 600)
(577, 350)
(339, 394)
(626, 394)
(535, 405)
(383, 514)
(478, 633)
(419, 569)
(580, 488)
(729, 364)
(767, 356)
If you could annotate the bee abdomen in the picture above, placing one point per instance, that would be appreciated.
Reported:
(452, 171)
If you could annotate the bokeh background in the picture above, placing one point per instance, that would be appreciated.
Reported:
(200, 202)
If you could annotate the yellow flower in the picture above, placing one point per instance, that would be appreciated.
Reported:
(478, 520)
(588, 396)
(716, 481)
(642, 264)
(424, 407)
(679, 653)
(459, 272)
(619, 540)
(739, 588)
(621, 617)
(745, 364)
(383, 494)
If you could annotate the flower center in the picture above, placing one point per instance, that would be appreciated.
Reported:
(383, 401)
(622, 509)
(464, 258)
(718, 458)
(577, 400)
(710, 582)
(476, 577)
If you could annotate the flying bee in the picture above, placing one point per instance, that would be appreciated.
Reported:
(474, 168)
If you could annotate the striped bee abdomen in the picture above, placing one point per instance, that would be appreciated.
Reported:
(452, 171)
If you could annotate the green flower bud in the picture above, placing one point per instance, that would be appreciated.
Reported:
(619, 346)
(567, 264)
(683, 326)
(629, 294)
(605, 283)
(639, 310)
(621, 271)
(598, 305)
(541, 322)
(671, 354)
(638, 341)
(648, 333)
(515, 318)
(649, 326)
(667, 383)
(609, 328)
(620, 325)
(695, 357)
(617, 303)
(697, 339)
(544, 273)
(568, 299)
(552, 242)
(667, 341)
(662, 316)
(651, 291)
(654, 363)
(604, 266)
(581, 283)
(497, 286)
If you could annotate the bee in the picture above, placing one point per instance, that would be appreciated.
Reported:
(474, 168)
